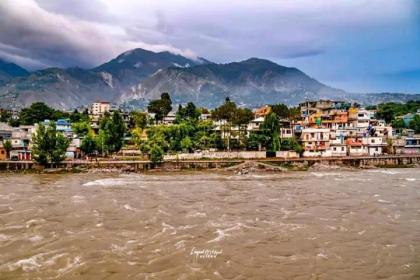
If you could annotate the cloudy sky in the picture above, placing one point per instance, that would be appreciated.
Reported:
(356, 45)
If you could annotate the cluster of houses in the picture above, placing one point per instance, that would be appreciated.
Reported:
(325, 128)
(329, 128)
(21, 137)
(336, 128)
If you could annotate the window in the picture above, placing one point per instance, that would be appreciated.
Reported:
(342, 149)
(376, 149)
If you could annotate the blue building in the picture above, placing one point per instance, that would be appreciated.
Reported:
(63, 126)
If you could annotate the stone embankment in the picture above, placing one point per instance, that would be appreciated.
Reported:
(235, 165)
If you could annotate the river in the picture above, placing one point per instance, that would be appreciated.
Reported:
(361, 224)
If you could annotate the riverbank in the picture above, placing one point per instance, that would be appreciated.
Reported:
(235, 165)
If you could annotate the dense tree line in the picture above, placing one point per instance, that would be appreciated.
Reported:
(188, 133)
(110, 136)
(391, 111)
(388, 111)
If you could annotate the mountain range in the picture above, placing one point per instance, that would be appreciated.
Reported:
(137, 76)
(10, 70)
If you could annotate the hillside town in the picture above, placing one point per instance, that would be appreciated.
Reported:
(321, 128)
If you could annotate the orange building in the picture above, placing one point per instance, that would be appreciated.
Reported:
(263, 111)
(3, 153)
(353, 113)
(341, 117)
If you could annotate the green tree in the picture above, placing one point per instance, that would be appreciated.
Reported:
(289, 144)
(137, 136)
(225, 112)
(101, 142)
(271, 128)
(60, 144)
(14, 122)
(257, 141)
(88, 145)
(186, 144)
(190, 112)
(138, 119)
(415, 124)
(294, 113)
(49, 146)
(5, 116)
(81, 128)
(388, 111)
(7, 145)
(39, 112)
(242, 116)
(281, 110)
(76, 116)
(398, 124)
(241, 119)
(160, 107)
(156, 154)
(111, 133)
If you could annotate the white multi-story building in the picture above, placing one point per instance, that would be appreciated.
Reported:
(100, 107)
(364, 117)
(375, 146)
(315, 141)
(255, 124)
(286, 132)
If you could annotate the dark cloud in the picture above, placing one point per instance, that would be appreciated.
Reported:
(347, 38)
(91, 10)
(35, 37)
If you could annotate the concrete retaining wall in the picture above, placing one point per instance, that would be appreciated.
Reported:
(217, 155)
(141, 166)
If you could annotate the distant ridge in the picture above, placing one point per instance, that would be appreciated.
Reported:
(137, 76)
(10, 70)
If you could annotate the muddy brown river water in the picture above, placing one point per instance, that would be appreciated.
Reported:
(298, 225)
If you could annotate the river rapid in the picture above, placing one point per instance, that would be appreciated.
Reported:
(362, 224)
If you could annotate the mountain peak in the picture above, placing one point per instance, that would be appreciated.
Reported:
(257, 60)
(132, 66)
(134, 52)
(9, 70)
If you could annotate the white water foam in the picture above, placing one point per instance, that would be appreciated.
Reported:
(35, 238)
(4, 237)
(321, 174)
(112, 182)
(222, 233)
(128, 207)
(384, 172)
(197, 215)
(33, 263)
